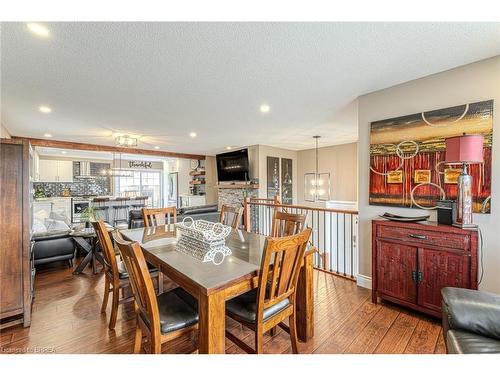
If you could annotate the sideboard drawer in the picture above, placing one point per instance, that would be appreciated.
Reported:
(424, 237)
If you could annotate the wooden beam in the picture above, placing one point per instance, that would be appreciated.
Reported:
(92, 147)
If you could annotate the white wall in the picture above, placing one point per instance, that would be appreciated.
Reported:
(466, 84)
(4, 133)
(184, 167)
(341, 162)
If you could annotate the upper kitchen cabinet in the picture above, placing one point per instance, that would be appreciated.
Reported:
(51, 170)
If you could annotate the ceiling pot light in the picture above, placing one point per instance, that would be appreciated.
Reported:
(44, 109)
(229, 148)
(265, 108)
(38, 29)
(193, 134)
(157, 147)
(47, 135)
(63, 152)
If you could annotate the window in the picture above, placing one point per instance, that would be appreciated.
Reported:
(144, 183)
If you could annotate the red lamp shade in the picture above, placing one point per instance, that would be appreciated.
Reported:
(464, 149)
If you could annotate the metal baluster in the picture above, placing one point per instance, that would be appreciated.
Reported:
(337, 247)
(344, 244)
(331, 243)
(324, 239)
(352, 228)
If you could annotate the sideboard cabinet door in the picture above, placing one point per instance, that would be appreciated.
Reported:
(439, 269)
(396, 267)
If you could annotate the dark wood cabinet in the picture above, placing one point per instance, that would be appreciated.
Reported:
(412, 262)
(15, 247)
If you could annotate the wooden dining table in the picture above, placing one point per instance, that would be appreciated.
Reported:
(213, 284)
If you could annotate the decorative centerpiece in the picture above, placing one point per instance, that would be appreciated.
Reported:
(203, 240)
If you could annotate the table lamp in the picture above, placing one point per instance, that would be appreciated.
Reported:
(465, 150)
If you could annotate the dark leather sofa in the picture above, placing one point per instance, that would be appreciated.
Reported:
(53, 247)
(206, 212)
(471, 321)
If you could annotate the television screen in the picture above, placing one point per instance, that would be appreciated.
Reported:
(233, 166)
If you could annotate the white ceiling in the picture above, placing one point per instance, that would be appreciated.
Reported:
(163, 80)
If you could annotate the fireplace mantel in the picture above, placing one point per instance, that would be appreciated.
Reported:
(237, 186)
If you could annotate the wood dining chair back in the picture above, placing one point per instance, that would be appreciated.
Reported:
(287, 224)
(159, 318)
(115, 274)
(159, 216)
(112, 280)
(275, 295)
(142, 285)
(231, 216)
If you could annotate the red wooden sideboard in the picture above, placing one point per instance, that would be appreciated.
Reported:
(412, 262)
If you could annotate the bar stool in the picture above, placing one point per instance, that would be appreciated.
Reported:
(140, 202)
(120, 213)
(102, 208)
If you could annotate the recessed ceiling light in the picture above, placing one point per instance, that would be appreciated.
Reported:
(264, 108)
(157, 147)
(63, 152)
(192, 134)
(44, 109)
(229, 148)
(48, 135)
(38, 29)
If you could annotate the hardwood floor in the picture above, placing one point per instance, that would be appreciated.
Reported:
(66, 319)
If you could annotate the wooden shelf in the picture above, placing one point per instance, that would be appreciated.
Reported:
(193, 182)
(237, 186)
(197, 173)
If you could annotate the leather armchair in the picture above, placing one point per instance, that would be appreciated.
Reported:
(52, 248)
(471, 321)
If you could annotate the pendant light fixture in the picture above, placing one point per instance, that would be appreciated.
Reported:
(316, 185)
(116, 167)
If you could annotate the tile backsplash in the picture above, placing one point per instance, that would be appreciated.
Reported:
(98, 185)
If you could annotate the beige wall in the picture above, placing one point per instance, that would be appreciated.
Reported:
(342, 163)
(4, 133)
(466, 84)
(210, 180)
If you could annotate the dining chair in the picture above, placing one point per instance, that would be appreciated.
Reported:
(159, 318)
(231, 216)
(287, 224)
(159, 216)
(116, 276)
(273, 300)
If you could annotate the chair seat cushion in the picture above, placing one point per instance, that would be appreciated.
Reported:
(175, 313)
(245, 306)
(461, 342)
(123, 274)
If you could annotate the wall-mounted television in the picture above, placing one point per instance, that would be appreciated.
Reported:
(233, 166)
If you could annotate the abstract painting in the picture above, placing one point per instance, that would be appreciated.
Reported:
(407, 155)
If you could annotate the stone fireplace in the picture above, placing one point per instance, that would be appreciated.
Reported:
(235, 196)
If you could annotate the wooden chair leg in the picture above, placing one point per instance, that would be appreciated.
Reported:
(106, 296)
(160, 283)
(155, 346)
(259, 345)
(273, 331)
(138, 340)
(293, 334)
(114, 307)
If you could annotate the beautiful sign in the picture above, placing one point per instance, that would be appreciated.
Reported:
(140, 164)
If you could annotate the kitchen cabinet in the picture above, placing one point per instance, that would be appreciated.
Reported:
(56, 170)
(412, 262)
